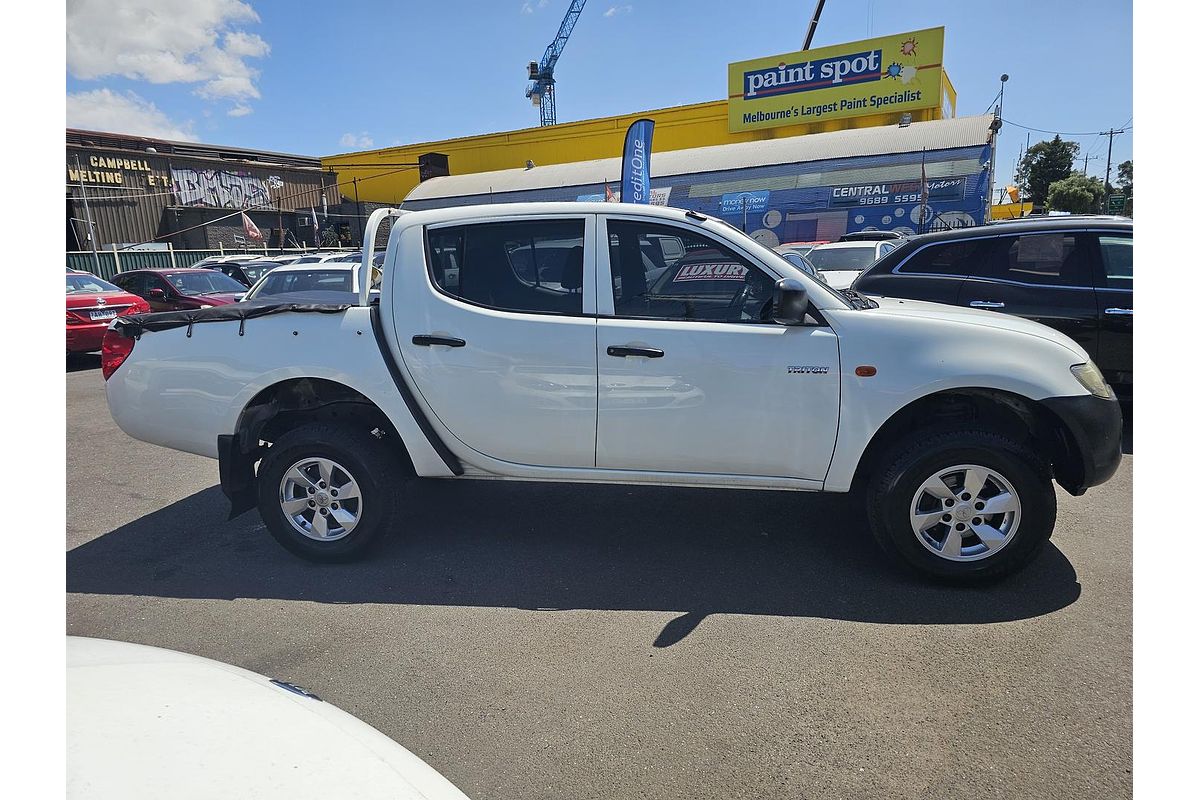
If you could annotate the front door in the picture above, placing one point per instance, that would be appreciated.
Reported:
(1045, 277)
(502, 345)
(693, 375)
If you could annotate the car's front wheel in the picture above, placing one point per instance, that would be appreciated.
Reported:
(325, 492)
(965, 505)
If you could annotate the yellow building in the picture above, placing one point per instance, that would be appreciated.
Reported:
(676, 128)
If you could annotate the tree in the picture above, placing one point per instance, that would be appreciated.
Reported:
(1077, 194)
(1125, 181)
(1043, 164)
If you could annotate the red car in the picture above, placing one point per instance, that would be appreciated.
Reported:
(91, 305)
(181, 289)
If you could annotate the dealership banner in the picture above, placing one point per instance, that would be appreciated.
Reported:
(896, 192)
(902, 72)
(635, 162)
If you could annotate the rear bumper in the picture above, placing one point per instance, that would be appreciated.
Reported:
(86, 338)
(1095, 426)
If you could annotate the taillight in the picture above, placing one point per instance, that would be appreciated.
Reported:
(113, 351)
(75, 319)
(136, 308)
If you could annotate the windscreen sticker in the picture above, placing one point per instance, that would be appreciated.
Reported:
(711, 272)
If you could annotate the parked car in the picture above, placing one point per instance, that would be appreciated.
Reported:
(1074, 274)
(207, 263)
(91, 304)
(800, 262)
(144, 722)
(733, 369)
(803, 248)
(871, 236)
(327, 277)
(841, 262)
(180, 289)
(247, 273)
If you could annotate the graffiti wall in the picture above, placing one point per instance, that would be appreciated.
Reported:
(217, 189)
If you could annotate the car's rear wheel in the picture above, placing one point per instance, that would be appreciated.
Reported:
(325, 492)
(964, 505)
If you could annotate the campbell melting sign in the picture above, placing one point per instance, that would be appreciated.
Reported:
(890, 73)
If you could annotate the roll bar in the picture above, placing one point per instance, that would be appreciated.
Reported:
(368, 250)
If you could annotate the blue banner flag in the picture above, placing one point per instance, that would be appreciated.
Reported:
(635, 162)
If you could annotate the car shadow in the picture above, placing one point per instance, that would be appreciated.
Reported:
(78, 362)
(557, 546)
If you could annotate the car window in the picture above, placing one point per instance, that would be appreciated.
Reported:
(88, 284)
(661, 272)
(534, 267)
(836, 258)
(255, 271)
(134, 282)
(886, 248)
(203, 282)
(1116, 252)
(1047, 259)
(948, 258)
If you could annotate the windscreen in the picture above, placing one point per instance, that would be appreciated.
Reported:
(306, 280)
(834, 258)
(204, 281)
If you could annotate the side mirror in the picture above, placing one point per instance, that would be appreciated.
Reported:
(790, 304)
(158, 294)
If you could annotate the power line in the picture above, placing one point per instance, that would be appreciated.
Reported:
(1059, 133)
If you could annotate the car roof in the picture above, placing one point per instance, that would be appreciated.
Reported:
(860, 244)
(1026, 225)
(170, 270)
(334, 266)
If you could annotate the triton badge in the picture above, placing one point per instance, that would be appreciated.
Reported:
(808, 369)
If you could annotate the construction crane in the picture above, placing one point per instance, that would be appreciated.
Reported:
(541, 75)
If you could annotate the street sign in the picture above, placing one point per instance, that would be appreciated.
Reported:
(1116, 203)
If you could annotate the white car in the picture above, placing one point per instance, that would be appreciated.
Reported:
(630, 344)
(145, 723)
(296, 277)
(841, 262)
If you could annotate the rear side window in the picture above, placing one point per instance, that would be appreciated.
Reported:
(948, 258)
(1047, 259)
(535, 267)
(1116, 252)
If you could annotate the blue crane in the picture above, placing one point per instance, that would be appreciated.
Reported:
(541, 89)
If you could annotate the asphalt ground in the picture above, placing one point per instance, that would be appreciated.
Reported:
(553, 641)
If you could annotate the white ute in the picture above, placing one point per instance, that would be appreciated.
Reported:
(613, 343)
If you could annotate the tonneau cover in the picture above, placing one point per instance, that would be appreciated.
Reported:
(134, 325)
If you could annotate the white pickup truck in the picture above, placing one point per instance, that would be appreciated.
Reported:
(602, 343)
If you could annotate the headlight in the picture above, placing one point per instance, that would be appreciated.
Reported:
(1090, 378)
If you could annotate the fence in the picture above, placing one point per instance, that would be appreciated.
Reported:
(113, 261)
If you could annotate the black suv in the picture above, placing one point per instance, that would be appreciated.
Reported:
(1074, 274)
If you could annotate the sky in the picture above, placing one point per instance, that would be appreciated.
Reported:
(319, 78)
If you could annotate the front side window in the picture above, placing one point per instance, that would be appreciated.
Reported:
(660, 272)
(1048, 259)
(948, 258)
(534, 267)
(1117, 254)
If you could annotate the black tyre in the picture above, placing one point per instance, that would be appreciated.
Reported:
(965, 506)
(326, 492)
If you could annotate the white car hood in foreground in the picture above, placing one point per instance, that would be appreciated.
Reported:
(972, 316)
(143, 722)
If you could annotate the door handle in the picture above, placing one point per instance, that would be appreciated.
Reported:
(1119, 312)
(986, 304)
(426, 340)
(626, 352)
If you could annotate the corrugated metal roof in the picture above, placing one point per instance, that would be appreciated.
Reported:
(883, 140)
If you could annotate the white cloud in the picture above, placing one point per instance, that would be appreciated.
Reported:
(240, 110)
(361, 142)
(106, 110)
(614, 10)
(197, 42)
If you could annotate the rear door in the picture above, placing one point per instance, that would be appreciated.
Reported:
(1114, 290)
(934, 272)
(1043, 276)
(693, 375)
(499, 335)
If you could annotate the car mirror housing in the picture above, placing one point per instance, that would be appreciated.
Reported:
(790, 303)
(158, 294)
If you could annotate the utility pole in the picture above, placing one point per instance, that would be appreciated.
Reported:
(87, 214)
(1086, 157)
(812, 25)
(1108, 165)
(358, 214)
